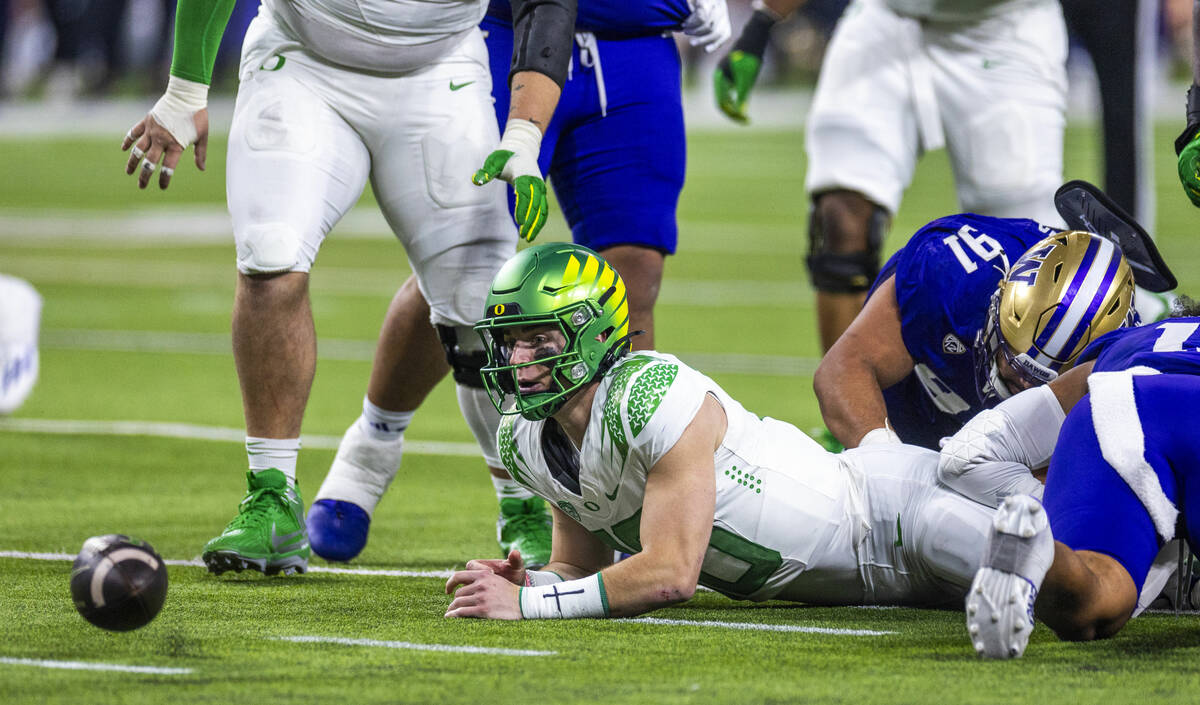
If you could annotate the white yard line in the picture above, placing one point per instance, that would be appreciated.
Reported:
(757, 627)
(448, 648)
(188, 431)
(197, 563)
(90, 666)
(363, 350)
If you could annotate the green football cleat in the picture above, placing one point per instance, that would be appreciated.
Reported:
(268, 533)
(525, 526)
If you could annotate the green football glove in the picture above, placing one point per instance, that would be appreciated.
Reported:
(1189, 167)
(732, 82)
(515, 161)
(737, 72)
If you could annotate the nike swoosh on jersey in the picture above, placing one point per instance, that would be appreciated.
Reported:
(454, 87)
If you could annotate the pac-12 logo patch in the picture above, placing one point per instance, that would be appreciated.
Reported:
(952, 345)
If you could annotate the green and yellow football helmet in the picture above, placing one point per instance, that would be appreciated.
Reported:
(1064, 292)
(565, 286)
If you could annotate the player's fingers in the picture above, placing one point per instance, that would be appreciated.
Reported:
(170, 161)
(540, 210)
(201, 152)
(464, 577)
(136, 153)
(133, 135)
(514, 559)
(149, 165)
(491, 565)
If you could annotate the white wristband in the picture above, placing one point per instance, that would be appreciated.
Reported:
(537, 578)
(883, 434)
(176, 109)
(570, 599)
(524, 140)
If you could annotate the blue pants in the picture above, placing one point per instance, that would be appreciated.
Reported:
(617, 175)
(1092, 508)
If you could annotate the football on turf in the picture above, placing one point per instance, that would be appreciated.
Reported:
(118, 583)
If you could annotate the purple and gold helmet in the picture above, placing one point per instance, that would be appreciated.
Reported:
(1064, 292)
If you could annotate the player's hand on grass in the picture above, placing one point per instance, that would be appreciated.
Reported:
(511, 569)
(708, 25)
(483, 594)
(177, 121)
(515, 161)
(1189, 163)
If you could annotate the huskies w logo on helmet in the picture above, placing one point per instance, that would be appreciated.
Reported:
(1062, 294)
(571, 289)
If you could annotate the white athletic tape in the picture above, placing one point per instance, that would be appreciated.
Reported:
(168, 172)
(137, 153)
(148, 166)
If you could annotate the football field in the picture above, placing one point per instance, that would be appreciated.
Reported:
(136, 427)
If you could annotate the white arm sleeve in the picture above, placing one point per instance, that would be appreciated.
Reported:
(1023, 430)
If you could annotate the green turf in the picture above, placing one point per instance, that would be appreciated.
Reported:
(738, 286)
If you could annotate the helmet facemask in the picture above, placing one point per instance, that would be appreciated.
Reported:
(583, 332)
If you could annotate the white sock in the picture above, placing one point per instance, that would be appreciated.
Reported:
(381, 424)
(277, 453)
(506, 488)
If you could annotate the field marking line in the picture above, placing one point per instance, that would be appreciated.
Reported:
(197, 563)
(208, 433)
(90, 666)
(447, 648)
(757, 627)
(348, 350)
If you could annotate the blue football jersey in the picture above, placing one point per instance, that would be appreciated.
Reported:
(945, 277)
(1171, 346)
(617, 18)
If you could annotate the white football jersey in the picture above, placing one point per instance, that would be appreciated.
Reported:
(788, 513)
(379, 35)
(955, 10)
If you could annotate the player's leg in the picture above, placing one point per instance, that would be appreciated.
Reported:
(1000, 87)
(1083, 557)
(295, 166)
(619, 168)
(408, 364)
(862, 138)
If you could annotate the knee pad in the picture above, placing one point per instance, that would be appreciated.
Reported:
(483, 419)
(844, 272)
(269, 248)
(465, 353)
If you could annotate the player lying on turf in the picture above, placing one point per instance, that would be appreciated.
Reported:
(1124, 467)
(971, 310)
(640, 453)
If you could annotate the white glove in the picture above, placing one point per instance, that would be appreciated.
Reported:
(176, 110)
(708, 25)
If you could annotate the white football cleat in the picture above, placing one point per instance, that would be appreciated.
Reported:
(1000, 602)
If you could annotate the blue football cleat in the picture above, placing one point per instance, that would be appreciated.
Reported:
(337, 530)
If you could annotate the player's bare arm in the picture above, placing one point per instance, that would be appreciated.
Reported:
(868, 358)
(675, 529)
(542, 36)
(180, 117)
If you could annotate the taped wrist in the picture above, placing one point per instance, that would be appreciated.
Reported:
(570, 599)
(176, 109)
(1193, 119)
(538, 578)
(883, 434)
(756, 33)
(199, 25)
(543, 34)
(524, 140)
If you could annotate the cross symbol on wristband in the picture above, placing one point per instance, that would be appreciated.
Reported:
(559, 595)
